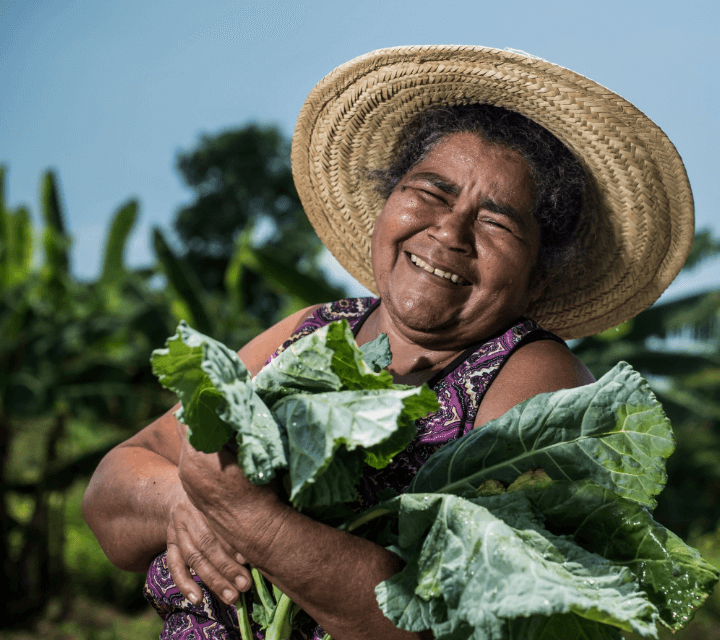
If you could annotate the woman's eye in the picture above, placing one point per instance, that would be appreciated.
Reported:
(434, 195)
(497, 223)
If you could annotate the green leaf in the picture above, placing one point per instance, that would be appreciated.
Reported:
(326, 360)
(304, 367)
(57, 242)
(121, 226)
(613, 431)
(348, 362)
(218, 400)
(16, 247)
(675, 576)
(472, 572)
(282, 275)
(184, 282)
(380, 421)
(377, 353)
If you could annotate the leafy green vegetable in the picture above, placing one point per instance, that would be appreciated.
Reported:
(317, 409)
(534, 526)
(218, 400)
(675, 576)
(613, 432)
(475, 571)
(606, 443)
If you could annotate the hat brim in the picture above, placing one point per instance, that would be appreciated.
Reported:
(641, 204)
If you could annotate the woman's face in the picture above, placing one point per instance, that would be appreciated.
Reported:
(454, 247)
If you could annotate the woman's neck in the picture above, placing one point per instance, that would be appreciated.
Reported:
(412, 363)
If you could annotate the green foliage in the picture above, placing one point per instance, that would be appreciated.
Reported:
(676, 345)
(73, 353)
(613, 432)
(583, 544)
(317, 410)
(75, 356)
(184, 281)
(120, 229)
(474, 571)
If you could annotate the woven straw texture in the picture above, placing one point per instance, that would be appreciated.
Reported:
(642, 204)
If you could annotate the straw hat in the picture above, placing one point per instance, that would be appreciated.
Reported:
(351, 122)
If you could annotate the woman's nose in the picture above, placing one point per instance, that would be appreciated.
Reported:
(453, 229)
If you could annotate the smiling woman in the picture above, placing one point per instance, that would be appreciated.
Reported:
(494, 202)
(465, 209)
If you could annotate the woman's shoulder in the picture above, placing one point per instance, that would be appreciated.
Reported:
(537, 367)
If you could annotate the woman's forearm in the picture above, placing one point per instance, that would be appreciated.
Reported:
(331, 574)
(128, 504)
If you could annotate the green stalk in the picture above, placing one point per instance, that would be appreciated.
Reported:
(281, 626)
(243, 618)
(366, 517)
(264, 594)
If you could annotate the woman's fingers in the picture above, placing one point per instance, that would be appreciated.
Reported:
(181, 574)
(192, 544)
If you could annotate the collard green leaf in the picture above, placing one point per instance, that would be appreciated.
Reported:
(333, 484)
(326, 360)
(380, 421)
(613, 431)
(218, 400)
(675, 576)
(304, 367)
(377, 354)
(179, 368)
(474, 572)
(348, 362)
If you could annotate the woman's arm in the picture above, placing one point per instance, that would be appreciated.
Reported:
(135, 490)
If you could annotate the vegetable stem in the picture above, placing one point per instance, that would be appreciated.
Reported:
(243, 619)
(366, 517)
(281, 625)
(261, 589)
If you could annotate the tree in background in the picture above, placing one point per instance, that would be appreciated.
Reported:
(243, 186)
(76, 380)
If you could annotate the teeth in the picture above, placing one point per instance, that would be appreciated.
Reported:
(453, 277)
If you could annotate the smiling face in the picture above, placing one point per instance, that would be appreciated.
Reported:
(454, 247)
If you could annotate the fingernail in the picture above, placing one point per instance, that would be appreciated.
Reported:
(239, 558)
(229, 596)
(193, 598)
(241, 582)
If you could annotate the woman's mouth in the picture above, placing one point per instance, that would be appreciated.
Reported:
(447, 275)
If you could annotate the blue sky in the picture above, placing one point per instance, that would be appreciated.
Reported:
(107, 93)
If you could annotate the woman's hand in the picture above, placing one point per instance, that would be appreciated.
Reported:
(192, 544)
(224, 515)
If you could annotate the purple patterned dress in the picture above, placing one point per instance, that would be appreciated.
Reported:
(460, 388)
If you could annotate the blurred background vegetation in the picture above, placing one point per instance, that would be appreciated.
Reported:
(75, 374)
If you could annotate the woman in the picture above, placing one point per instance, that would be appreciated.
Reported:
(473, 218)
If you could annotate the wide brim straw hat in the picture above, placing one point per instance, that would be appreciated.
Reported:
(641, 202)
